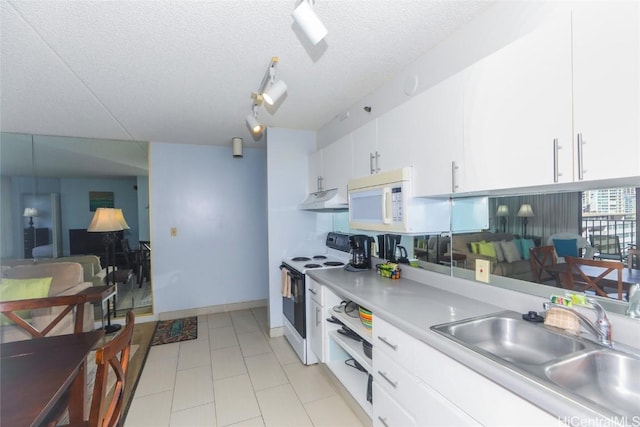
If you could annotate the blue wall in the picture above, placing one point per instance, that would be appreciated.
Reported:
(218, 206)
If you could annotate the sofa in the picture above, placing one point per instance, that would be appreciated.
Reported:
(67, 278)
(92, 270)
(517, 267)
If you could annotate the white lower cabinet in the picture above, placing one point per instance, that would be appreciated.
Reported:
(387, 412)
(434, 410)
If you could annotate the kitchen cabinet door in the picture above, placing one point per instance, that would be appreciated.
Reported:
(517, 101)
(365, 145)
(434, 410)
(336, 165)
(438, 149)
(315, 171)
(397, 131)
(606, 80)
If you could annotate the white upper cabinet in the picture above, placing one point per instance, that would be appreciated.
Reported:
(336, 165)
(517, 101)
(315, 171)
(437, 149)
(398, 129)
(606, 80)
(365, 146)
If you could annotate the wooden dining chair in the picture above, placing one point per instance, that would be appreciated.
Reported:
(595, 283)
(540, 258)
(106, 402)
(630, 254)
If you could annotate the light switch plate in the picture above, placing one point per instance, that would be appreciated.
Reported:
(174, 231)
(482, 270)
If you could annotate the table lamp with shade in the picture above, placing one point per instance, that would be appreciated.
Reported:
(30, 213)
(525, 213)
(108, 221)
(502, 213)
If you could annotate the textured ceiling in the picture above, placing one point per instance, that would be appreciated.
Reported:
(183, 72)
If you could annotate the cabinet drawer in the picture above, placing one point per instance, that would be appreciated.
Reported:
(395, 343)
(396, 381)
(387, 412)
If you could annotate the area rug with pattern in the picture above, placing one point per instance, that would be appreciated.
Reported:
(168, 331)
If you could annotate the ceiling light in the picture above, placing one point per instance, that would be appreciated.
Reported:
(309, 22)
(236, 143)
(254, 126)
(275, 91)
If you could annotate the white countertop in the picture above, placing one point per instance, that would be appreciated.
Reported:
(414, 306)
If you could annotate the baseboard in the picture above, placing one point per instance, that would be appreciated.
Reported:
(276, 332)
(201, 311)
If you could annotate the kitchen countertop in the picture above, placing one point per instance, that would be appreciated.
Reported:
(414, 307)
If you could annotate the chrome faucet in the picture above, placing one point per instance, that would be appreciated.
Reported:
(602, 326)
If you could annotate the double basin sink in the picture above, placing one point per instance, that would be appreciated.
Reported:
(596, 376)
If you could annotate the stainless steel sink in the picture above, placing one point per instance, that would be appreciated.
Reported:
(596, 377)
(612, 379)
(508, 337)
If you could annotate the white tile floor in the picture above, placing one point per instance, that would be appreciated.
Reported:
(235, 375)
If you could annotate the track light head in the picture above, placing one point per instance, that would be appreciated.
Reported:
(274, 92)
(309, 22)
(254, 126)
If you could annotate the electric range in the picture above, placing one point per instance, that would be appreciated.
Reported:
(295, 304)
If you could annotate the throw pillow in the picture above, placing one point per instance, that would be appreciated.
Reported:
(566, 247)
(17, 289)
(475, 247)
(486, 248)
(510, 251)
(498, 248)
(518, 243)
(526, 245)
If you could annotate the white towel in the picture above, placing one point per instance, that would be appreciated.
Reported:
(286, 283)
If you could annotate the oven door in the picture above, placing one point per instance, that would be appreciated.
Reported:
(294, 308)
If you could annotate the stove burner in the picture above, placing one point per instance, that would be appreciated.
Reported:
(312, 266)
(300, 258)
(319, 257)
(333, 263)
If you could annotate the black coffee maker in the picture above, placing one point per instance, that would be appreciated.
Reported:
(360, 253)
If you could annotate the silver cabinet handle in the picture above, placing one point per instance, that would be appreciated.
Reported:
(384, 340)
(556, 172)
(387, 379)
(317, 316)
(319, 184)
(383, 420)
(454, 168)
(371, 157)
(580, 159)
(312, 291)
(377, 162)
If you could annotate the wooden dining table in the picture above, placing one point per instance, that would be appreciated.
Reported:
(629, 275)
(36, 373)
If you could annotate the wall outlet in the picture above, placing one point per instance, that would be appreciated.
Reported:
(482, 270)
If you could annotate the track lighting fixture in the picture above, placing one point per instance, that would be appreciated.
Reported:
(309, 22)
(270, 91)
(252, 121)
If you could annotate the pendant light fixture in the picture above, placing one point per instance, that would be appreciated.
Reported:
(309, 23)
(236, 144)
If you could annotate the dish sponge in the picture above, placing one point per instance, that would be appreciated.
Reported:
(563, 319)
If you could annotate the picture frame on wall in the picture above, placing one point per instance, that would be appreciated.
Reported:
(100, 199)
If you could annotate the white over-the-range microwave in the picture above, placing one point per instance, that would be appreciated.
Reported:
(384, 202)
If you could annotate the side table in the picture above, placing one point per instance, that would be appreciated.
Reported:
(103, 294)
(454, 258)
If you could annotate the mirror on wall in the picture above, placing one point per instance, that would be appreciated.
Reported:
(605, 218)
(61, 181)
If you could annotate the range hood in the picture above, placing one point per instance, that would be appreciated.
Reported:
(324, 201)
